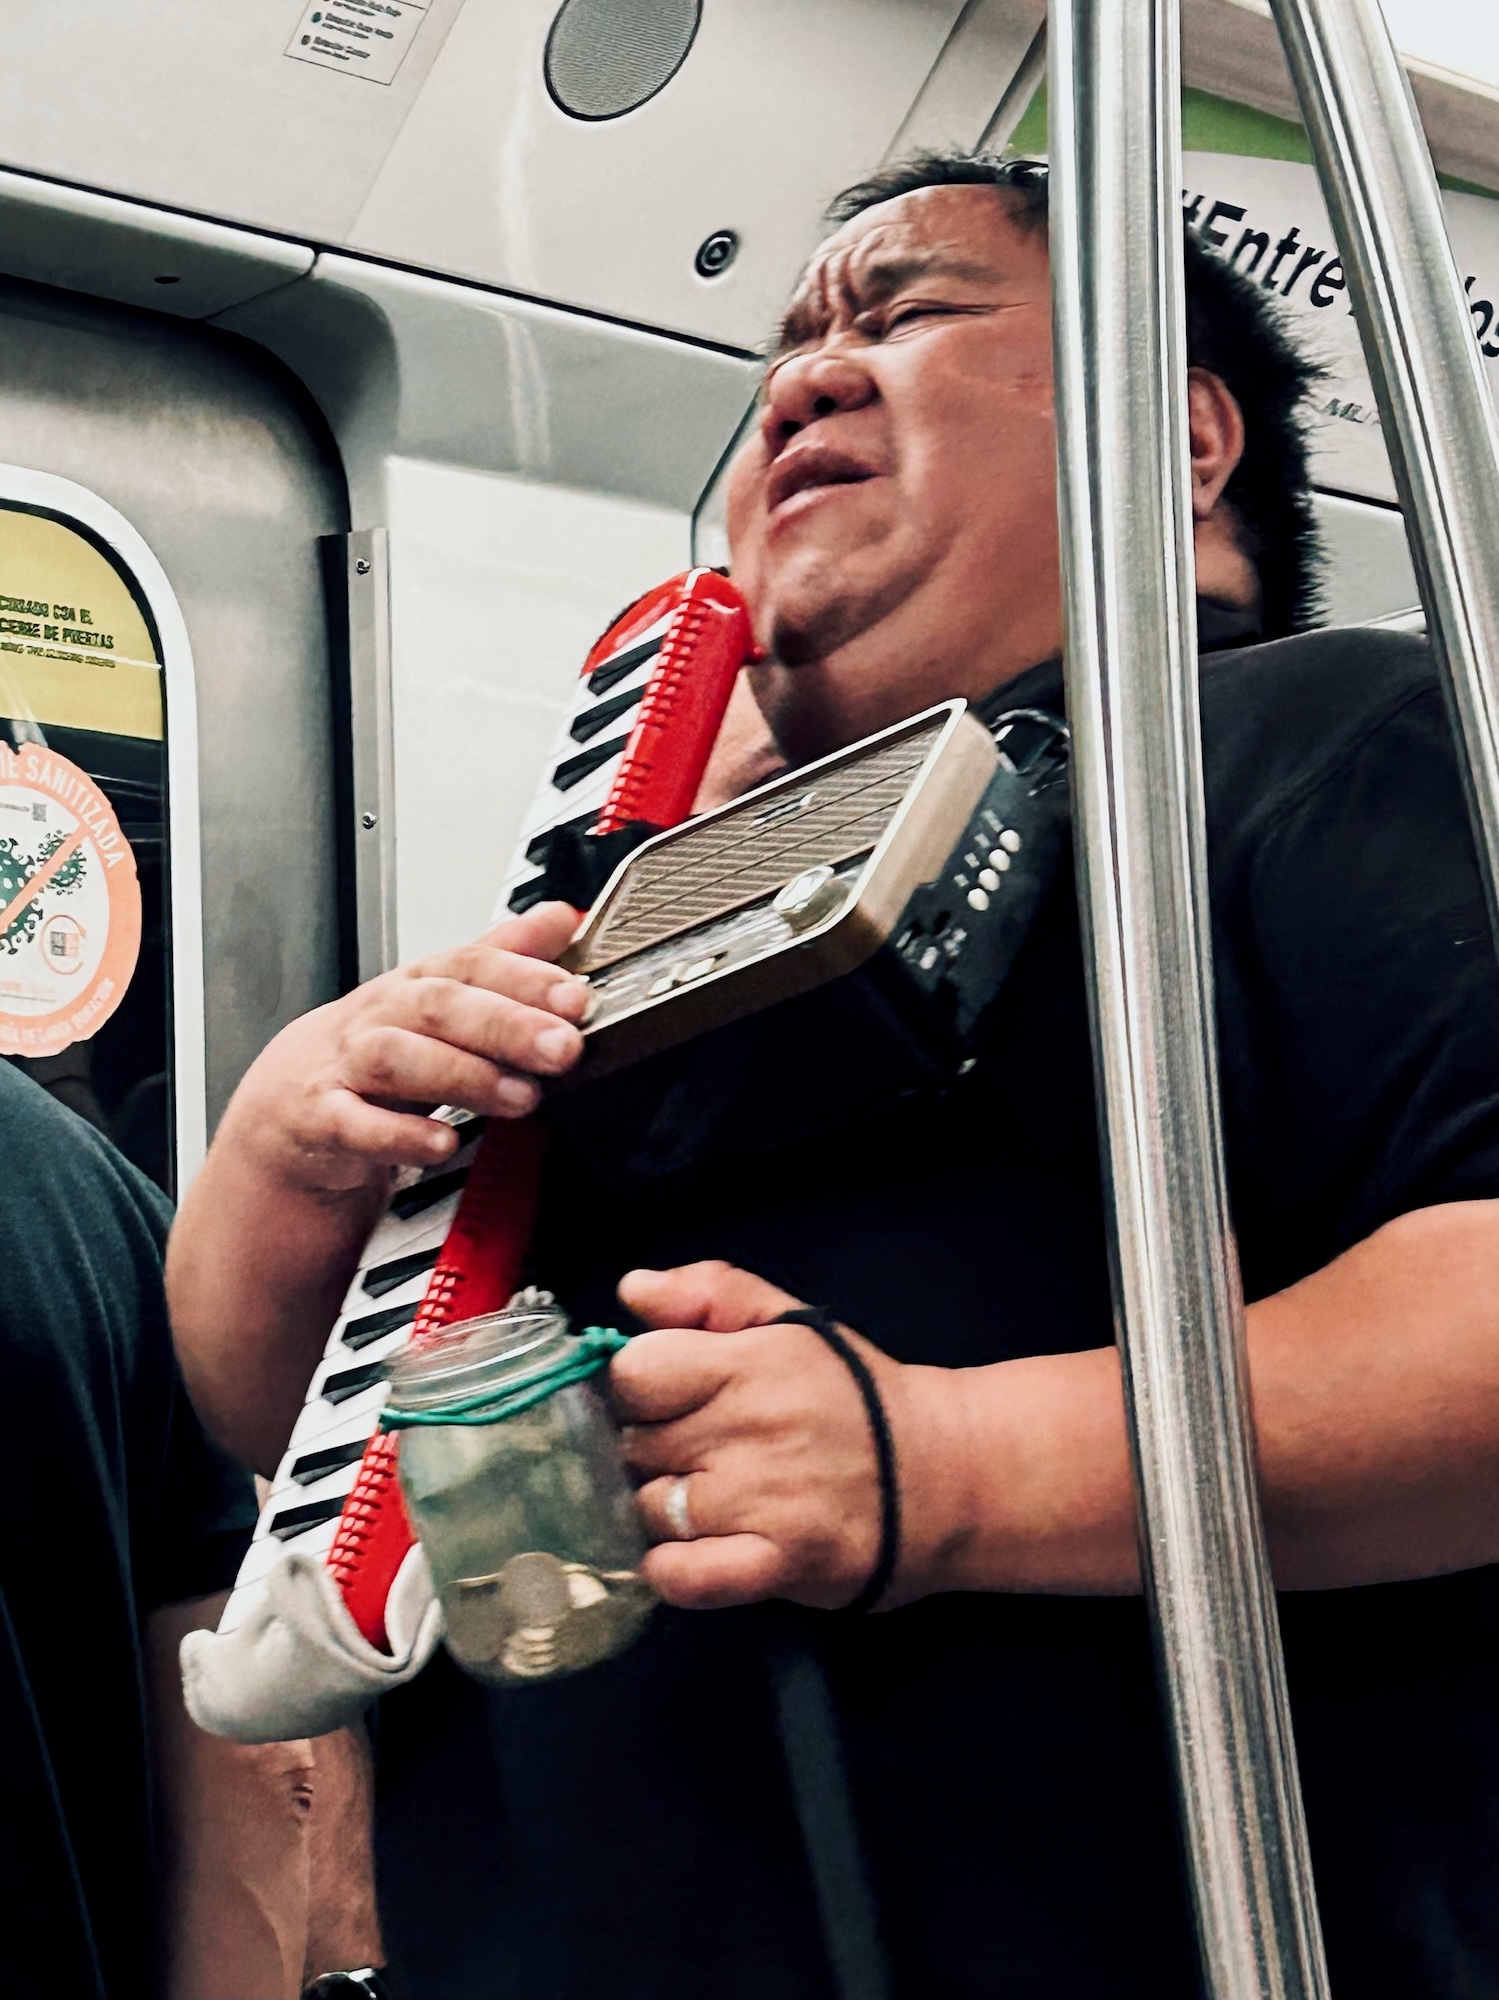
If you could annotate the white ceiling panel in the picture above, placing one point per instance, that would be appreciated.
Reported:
(778, 105)
(435, 142)
(199, 104)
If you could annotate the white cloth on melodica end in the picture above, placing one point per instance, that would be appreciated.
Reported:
(299, 1665)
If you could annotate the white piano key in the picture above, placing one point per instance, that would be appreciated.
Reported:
(398, 1235)
(553, 805)
(263, 1556)
(587, 797)
(320, 1420)
(359, 1304)
(285, 1491)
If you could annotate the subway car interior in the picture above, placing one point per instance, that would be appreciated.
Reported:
(360, 362)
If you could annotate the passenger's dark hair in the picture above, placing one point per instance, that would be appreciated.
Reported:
(1234, 329)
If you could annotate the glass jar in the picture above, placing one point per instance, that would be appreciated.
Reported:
(528, 1521)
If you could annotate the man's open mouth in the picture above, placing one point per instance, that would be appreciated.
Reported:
(813, 466)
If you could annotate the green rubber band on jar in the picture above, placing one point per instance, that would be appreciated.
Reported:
(592, 1351)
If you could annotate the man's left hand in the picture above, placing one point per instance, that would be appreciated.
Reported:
(769, 1432)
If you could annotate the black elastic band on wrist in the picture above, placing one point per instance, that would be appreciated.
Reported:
(821, 1322)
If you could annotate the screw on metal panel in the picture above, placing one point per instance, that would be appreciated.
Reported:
(716, 253)
(367, 821)
(362, 567)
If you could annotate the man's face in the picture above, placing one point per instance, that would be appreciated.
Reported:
(893, 519)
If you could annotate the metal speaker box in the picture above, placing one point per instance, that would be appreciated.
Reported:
(797, 883)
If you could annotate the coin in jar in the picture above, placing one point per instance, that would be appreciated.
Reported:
(477, 1627)
(592, 1629)
(607, 1610)
(534, 1589)
(531, 1653)
(486, 1613)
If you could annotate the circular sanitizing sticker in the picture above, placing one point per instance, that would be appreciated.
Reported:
(70, 904)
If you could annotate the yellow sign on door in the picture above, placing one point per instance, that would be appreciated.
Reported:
(76, 649)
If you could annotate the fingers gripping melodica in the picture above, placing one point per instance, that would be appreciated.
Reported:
(342, 1093)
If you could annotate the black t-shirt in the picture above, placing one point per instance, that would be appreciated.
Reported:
(112, 1503)
(630, 1832)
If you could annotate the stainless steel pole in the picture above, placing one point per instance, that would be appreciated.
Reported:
(1132, 696)
(1377, 177)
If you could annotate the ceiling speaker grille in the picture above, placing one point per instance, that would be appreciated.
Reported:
(605, 57)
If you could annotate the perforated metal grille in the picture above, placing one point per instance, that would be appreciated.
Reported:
(605, 57)
(734, 861)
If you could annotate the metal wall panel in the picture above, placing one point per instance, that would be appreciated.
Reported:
(212, 454)
(401, 363)
(141, 256)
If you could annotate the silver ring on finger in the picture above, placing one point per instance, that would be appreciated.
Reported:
(677, 1508)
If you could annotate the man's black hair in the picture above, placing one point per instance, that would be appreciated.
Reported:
(1235, 330)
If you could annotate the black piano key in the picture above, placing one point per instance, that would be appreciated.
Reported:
(422, 1195)
(385, 1277)
(339, 1388)
(372, 1326)
(526, 895)
(294, 1521)
(573, 770)
(613, 671)
(587, 725)
(315, 1465)
(538, 849)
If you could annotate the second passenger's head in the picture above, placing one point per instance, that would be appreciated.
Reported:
(893, 516)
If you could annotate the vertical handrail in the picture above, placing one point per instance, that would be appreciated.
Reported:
(1132, 699)
(372, 804)
(1381, 191)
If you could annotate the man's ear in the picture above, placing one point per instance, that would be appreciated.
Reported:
(1216, 433)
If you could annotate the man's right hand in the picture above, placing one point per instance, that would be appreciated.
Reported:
(270, 1232)
(338, 1098)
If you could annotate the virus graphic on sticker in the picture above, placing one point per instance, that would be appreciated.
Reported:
(17, 869)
